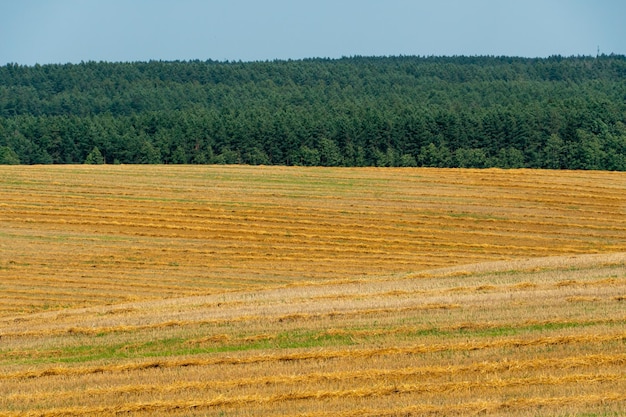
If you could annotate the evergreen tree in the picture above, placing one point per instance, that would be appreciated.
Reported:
(329, 153)
(8, 156)
(387, 111)
(95, 157)
(554, 152)
(434, 156)
(179, 156)
(471, 158)
(149, 154)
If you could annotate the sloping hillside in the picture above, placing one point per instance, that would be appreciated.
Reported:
(244, 291)
(526, 337)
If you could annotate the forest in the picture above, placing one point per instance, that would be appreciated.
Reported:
(555, 113)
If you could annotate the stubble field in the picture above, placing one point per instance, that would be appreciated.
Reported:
(241, 291)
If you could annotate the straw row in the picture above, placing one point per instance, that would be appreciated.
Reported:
(75, 330)
(361, 392)
(481, 407)
(586, 361)
(322, 355)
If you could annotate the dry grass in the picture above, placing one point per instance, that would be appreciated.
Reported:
(240, 291)
(76, 236)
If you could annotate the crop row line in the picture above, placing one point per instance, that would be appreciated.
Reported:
(181, 323)
(323, 355)
(361, 392)
(279, 227)
(333, 332)
(289, 219)
(600, 197)
(471, 326)
(594, 361)
(480, 407)
(290, 216)
(521, 286)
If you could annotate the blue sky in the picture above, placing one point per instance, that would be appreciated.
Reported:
(61, 31)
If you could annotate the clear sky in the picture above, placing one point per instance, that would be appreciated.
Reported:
(61, 31)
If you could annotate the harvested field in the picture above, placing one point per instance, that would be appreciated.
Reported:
(244, 291)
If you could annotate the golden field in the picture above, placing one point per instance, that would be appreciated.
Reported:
(245, 291)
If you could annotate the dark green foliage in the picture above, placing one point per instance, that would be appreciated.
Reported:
(95, 157)
(388, 111)
(8, 156)
(434, 156)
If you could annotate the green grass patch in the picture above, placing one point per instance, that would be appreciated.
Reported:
(294, 339)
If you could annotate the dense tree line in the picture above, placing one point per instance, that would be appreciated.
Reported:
(387, 111)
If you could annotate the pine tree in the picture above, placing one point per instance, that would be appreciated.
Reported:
(95, 157)
(8, 156)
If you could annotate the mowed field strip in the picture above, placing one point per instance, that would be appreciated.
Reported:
(78, 236)
(244, 291)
